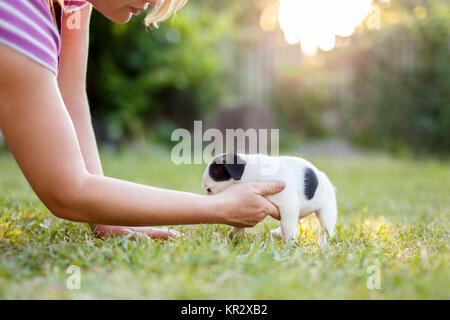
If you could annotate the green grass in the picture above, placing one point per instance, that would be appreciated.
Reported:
(392, 214)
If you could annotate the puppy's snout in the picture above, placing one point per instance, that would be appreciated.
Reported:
(208, 191)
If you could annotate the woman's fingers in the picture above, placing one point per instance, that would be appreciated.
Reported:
(155, 233)
(269, 187)
(103, 231)
(273, 211)
(247, 204)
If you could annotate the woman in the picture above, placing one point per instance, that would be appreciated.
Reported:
(44, 116)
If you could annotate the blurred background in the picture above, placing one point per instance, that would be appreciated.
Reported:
(373, 74)
(359, 87)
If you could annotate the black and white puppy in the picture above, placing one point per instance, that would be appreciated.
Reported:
(308, 190)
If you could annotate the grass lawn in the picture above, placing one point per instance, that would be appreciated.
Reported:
(393, 219)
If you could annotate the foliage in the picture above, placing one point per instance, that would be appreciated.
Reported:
(137, 76)
(393, 214)
(300, 110)
(402, 80)
(156, 80)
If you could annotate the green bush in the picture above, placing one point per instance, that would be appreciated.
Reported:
(162, 78)
(299, 110)
(398, 104)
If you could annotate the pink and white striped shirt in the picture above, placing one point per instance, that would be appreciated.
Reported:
(28, 27)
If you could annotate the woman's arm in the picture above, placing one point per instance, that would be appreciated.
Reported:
(42, 138)
(72, 85)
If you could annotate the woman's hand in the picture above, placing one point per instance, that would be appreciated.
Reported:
(103, 231)
(244, 204)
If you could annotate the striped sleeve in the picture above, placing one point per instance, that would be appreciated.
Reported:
(27, 26)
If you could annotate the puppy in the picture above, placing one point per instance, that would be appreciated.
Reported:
(308, 190)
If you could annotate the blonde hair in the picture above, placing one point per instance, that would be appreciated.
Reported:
(163, 10)
(61, 2)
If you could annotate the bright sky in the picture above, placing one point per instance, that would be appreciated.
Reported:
(316, 23)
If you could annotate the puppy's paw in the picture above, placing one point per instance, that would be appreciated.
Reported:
(323, 242)
(276, 233)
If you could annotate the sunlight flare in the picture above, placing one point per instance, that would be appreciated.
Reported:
(315, 24)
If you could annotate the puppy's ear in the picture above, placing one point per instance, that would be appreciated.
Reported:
(227, 166)
(235, 165)
(218, 172)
